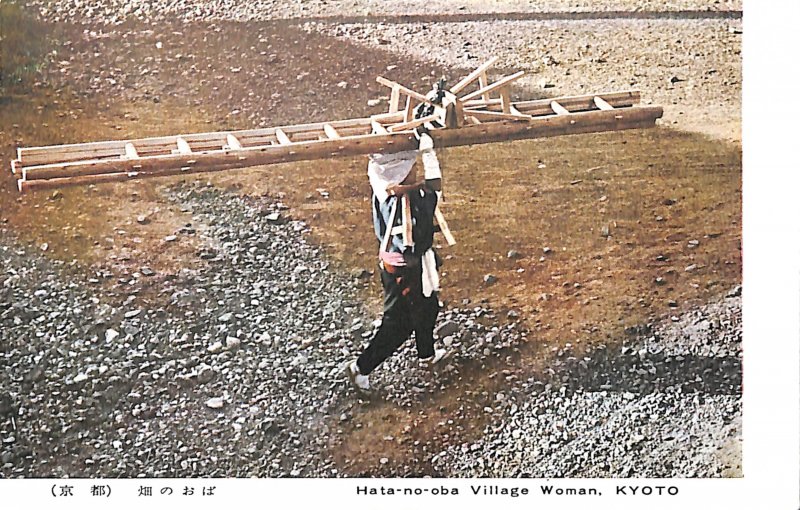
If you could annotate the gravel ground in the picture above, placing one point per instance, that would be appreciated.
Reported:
(238, 375)
(114, 11)
(691, 67)
(666, 404)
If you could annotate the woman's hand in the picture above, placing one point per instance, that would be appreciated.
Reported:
(392, 258)
(398, 190)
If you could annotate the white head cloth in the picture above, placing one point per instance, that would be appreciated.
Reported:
(388, 169)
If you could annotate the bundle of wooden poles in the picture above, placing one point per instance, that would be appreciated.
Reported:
(484, 115)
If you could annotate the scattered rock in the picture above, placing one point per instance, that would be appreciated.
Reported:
(447, 328)
(215, 403)
(232, 343)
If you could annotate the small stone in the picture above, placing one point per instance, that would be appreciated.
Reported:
(205, 374)
(446, 329)
(170, 238)
(273, 217)
(694, 243)
(690, 268)
(233, 343)
(546, 250)
(489, 279)
(215, 403)
(225, 317)
(215, 347)
(373, 102)
(80, 378)
(57, 194)
(146, 271)
(142, 219)
(512, 314)
(361, 274)
(133, 313)
(384, 460)
(111, 335)
(513, 254)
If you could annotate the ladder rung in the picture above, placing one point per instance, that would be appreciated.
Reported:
(378, 128)
(409, 111)
(558, 109)
(505, 100)
(483, 82)
(394, 100)
(183, 146)
(330, 131)
(283, 139)
(233, 142)
(602, 103)
(130, 151)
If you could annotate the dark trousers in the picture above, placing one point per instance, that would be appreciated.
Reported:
(405, 309)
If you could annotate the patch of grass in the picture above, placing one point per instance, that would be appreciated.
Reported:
(22, 47)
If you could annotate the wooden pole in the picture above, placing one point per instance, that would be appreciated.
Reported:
(494, 86)
(477, 74)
